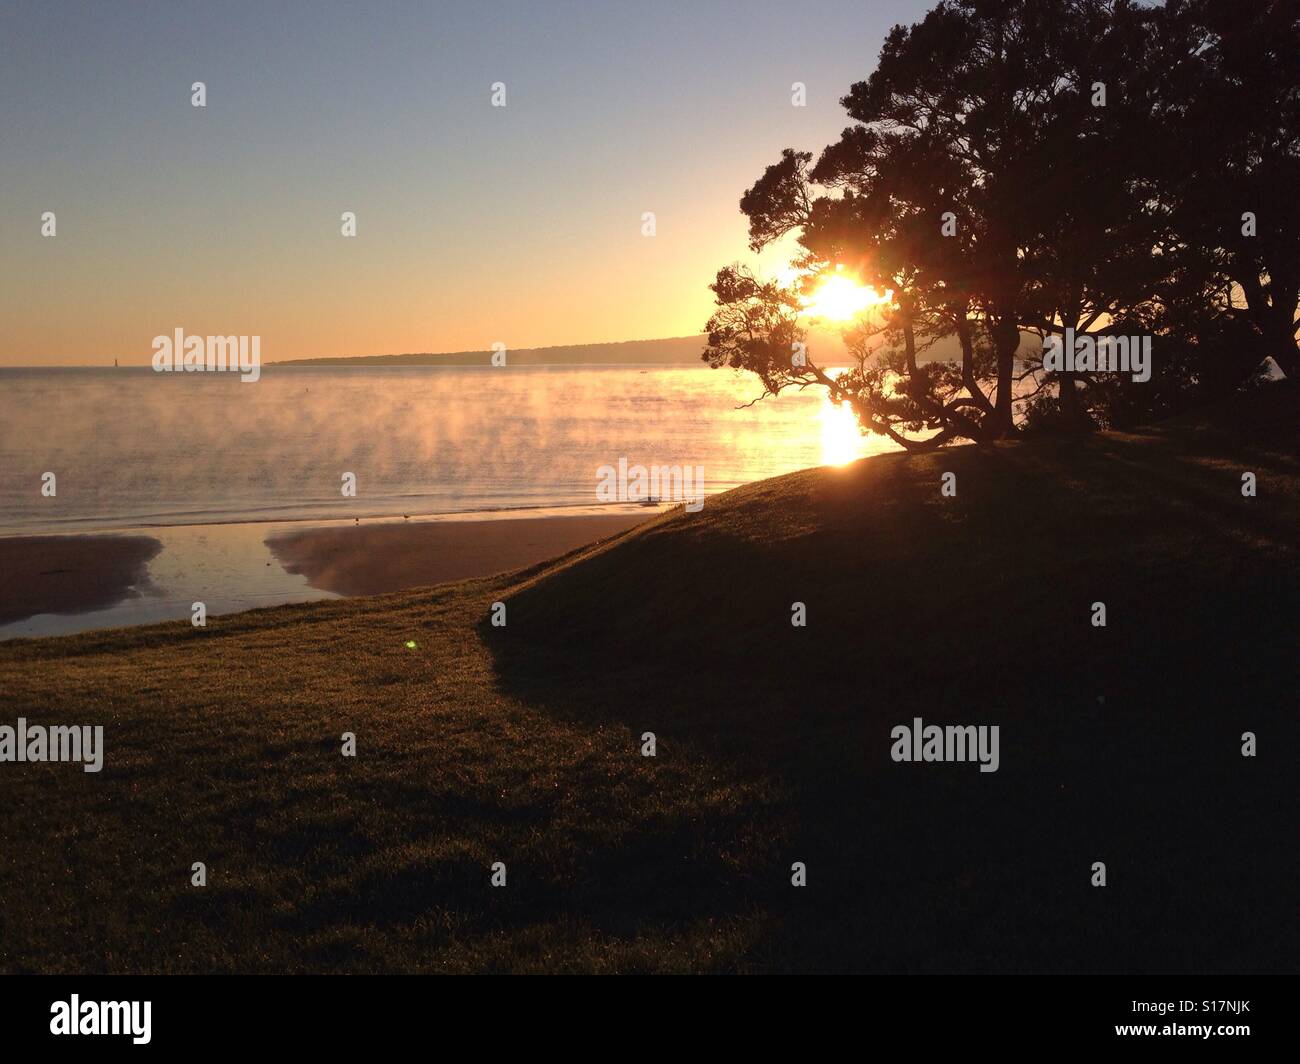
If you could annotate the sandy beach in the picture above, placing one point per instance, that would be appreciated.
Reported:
(157, 577)
(68, 574)
(374, 559)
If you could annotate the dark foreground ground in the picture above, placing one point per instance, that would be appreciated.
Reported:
(522, 744)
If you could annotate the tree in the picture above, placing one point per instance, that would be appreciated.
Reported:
(930, 197)
(1021, 167)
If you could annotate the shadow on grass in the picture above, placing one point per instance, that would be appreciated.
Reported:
(1118, 744)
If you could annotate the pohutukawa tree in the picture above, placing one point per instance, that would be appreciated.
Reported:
(923, 198)
(999, 182)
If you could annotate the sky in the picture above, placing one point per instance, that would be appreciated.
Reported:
(475, 224)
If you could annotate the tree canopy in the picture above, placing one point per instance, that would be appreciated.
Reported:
(1019, 169)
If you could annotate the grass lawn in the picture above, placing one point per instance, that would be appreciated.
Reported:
(522, 744)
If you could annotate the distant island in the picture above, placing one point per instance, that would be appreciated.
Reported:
(678, 350)
(674, 351)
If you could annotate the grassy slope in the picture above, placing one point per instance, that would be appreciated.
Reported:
(521, 744)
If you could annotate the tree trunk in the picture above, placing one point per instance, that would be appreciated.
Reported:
(1071, 413)
(1006, 339)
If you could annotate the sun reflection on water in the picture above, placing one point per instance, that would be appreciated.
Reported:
(842, 440)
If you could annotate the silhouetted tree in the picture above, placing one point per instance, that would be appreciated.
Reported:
(1090, 228)
(1031, 167)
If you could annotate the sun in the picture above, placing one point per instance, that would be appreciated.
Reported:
(840, 298)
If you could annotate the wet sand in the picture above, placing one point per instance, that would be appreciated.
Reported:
(374, 559)
(144, 579)
(70, 574)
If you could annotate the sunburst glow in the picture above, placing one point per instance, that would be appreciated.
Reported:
(840, 298)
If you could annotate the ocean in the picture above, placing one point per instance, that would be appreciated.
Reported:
(131, 448)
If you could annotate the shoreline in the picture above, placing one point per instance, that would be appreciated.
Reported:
(65, 583)
(374, 559)
(144, 526)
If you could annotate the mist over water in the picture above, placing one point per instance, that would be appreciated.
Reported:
(133, 448)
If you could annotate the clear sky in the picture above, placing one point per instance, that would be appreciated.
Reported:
(475, 224)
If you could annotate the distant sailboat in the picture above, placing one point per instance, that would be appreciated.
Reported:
(115, 363)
